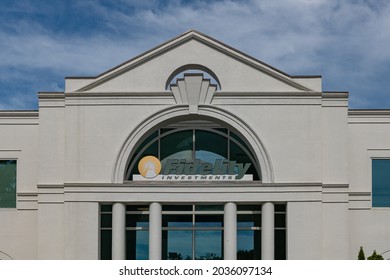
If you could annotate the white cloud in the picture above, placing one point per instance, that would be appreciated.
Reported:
(345, 41)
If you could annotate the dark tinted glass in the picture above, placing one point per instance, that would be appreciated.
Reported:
(209, 207)
(178, 145)
(280, 244)
(105, 244)
(381, 182)
(7, 183)
(137, 207)
(248, 245)
(106, 221)
(106, 208)
(237, 154)
(210, 146)
(152, 150)
(137, 220)
(177, 207)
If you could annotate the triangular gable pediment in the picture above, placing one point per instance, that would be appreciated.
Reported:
(237, 71)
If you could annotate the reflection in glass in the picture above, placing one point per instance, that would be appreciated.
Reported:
(177, 145)
(142, 248)
(248, 220)
(206, 145)
(140, 239)
(208, 245)
(381, 183)
(210, 146)
(248, 245)
(178, 244)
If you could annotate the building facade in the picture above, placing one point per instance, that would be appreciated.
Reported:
(194, 150)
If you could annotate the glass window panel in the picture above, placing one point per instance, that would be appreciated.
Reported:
(280, 220)
(137, 207)
(106, 220)
(177, 208)
(105, 244)
(137, 220)
(7, 183)
(280, 244)
(177, 221)
(209, 207)
(137, 245)
(208, 245)
(280, 207)
(248, 220)
(177, 245)
(249, 207)
(209, 220)
(381, 182)
(178, 145)
(106, 208)
(237, 154)
(239, 139)
(142, 245)
(248, 245)
(152, 150)
(210, 146)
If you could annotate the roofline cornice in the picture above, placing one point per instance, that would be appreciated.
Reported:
(200, 37)
(19, 113)
(369, 112)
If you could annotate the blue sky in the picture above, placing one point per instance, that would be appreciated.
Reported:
(345, 41)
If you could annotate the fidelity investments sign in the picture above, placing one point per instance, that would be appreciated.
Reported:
(151, 169)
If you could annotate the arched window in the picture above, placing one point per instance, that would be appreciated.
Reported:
(207, 144)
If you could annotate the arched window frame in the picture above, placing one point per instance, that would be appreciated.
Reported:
(135, 157)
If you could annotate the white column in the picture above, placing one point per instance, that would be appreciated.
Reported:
(119, 231)
(155, 231)
(230, 231)
(267, 231)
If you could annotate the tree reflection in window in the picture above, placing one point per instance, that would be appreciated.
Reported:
(206, 144)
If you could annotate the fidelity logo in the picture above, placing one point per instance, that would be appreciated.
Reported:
(150, 168)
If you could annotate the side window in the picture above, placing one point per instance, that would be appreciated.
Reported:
(381, 182)
(7, 183)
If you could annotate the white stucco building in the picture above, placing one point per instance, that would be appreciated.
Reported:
(251, 163)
